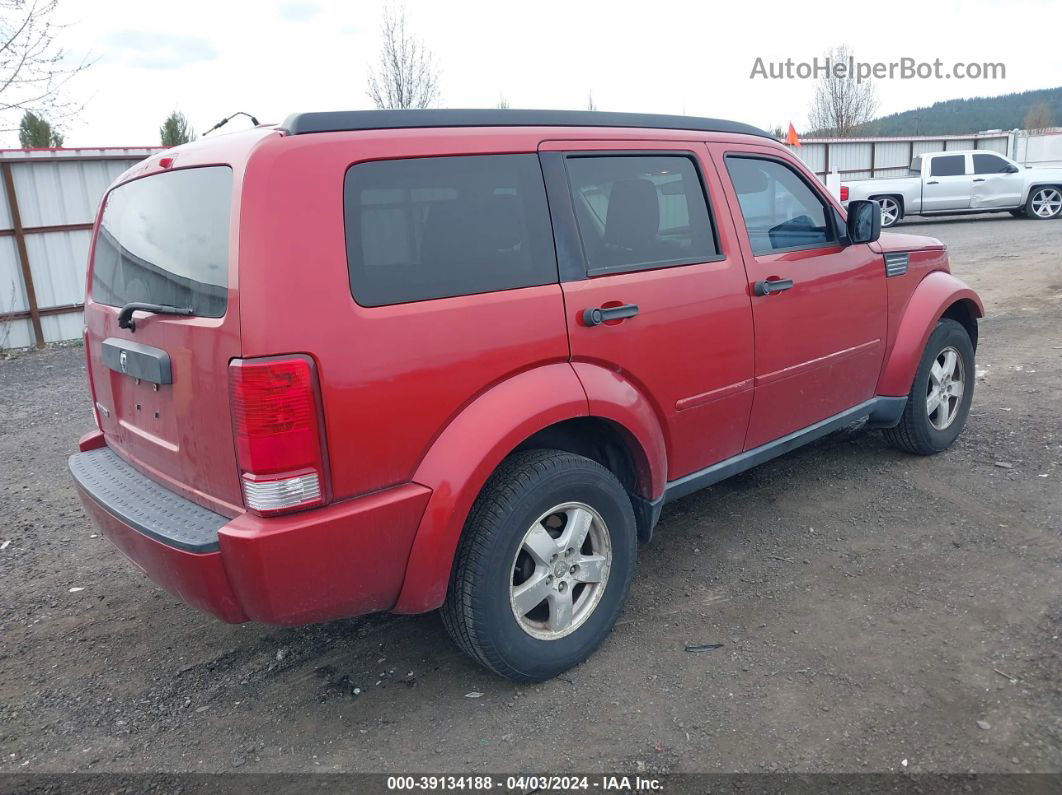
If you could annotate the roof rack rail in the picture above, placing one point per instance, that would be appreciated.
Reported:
(347, 120)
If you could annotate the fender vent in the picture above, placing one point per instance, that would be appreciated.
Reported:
(895, 264)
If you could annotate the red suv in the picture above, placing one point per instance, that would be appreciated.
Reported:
(403, 360)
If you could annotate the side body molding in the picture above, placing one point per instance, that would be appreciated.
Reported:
(928, 302)
(463, 456)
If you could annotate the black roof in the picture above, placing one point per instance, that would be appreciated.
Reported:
(335, 121)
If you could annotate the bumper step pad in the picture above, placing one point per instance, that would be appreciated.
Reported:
(145, 505)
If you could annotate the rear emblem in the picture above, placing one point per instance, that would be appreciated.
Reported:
(123, 361)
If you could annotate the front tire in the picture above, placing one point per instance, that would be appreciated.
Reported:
(1044, 203)
(544, 565)
(940, 397)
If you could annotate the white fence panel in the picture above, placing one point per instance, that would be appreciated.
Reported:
(57, 192)
(921, 147)
(1041, 150)
(1000, 145)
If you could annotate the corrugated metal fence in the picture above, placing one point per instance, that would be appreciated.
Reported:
(862, 158)
(48, 202)
(1040, 150)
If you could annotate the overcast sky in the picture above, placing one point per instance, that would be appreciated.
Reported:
(209, 58)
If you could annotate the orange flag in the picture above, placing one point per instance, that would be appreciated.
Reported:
(791, 136)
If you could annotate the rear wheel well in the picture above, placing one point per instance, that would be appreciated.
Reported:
(612, 446)
(965, 313)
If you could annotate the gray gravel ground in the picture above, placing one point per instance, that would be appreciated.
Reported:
(877, 611)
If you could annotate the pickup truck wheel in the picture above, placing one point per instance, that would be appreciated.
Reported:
(1044, 203)
(544, 566)
(940, 396)
(891, 211)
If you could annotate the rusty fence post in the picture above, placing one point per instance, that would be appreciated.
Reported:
(23, 255)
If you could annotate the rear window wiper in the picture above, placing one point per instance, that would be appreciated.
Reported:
(125, 317)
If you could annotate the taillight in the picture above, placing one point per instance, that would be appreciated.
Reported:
(276, 422)
(844, 193)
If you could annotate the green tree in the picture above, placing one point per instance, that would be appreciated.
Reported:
(176, 130)
(35, 133)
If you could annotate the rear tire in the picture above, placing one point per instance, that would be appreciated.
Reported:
(544, 565)
(1044, 203)
(891, 210)
(939, 401)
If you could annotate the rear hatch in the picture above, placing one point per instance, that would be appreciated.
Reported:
(161, 388)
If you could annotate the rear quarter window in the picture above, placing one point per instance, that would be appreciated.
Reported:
(164, 239)
(438, 227)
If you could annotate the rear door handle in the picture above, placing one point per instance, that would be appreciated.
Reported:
(979, 180)
(768, 286)
(597, 315)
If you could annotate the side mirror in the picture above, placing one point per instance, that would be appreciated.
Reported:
(1012, 169)
(864, 221)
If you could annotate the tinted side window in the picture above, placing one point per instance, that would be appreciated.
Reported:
(948, 166)
(780, 210)
(990, 164)
(640, 211)
(436, 227)
(915, 169)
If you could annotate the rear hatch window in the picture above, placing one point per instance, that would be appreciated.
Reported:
(164, 240)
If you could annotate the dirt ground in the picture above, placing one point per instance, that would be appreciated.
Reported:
(878, 612)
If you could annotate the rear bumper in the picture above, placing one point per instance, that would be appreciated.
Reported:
(342, 560)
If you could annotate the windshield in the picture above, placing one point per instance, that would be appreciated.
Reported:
(164, 240)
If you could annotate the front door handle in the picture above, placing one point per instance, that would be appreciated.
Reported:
(768, 286)
(597, 315)
(934, 182)
(979, 180)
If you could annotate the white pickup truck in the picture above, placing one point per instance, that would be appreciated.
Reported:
(953, 183)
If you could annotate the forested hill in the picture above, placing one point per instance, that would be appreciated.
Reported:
(956, 116)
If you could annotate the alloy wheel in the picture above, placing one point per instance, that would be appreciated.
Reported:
(947, 383)
(890, 211)
(560, 571)
(1047, 202)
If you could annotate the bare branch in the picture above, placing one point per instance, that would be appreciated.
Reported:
(842, 106)
(406, 76)
(1039, 119)
(34, 69)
